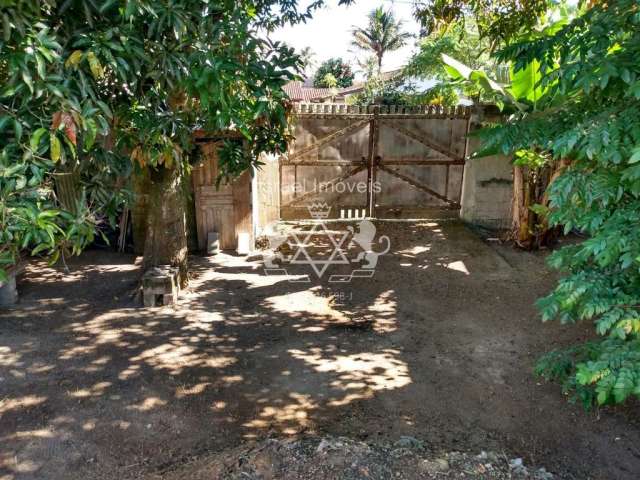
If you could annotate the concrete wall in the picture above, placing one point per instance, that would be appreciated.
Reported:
(487, 188)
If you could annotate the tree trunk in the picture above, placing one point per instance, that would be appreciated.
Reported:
(166, 239)
(520, 212)
(549, 235)
(141, 187)
(530, 187)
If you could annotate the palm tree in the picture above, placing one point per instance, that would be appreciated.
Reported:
(382, 34)
(307, 57)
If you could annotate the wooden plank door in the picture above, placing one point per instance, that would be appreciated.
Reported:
(225, 209)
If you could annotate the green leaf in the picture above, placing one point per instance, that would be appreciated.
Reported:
(634, 89)
(26, 76)
(92, 131)
(95, 66)
(56, 147)
(74, 59)
(540, 210)
(525, 83)
(6, 27)
(457, 70)
(36, 137)
(21, 182)
(17, 128)
(105, 108)
(40, 65)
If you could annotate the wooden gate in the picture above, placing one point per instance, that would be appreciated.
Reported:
(376, 161)
(225, 209)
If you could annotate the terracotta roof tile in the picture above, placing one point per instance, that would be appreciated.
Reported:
(299, 93)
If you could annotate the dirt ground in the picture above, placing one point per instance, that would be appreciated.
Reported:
(330, 458)
(439, 346)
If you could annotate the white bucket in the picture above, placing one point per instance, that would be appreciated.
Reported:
(244, 243)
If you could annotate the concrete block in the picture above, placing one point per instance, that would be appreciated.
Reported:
(8, 291)
(213, 243)
(160, 286)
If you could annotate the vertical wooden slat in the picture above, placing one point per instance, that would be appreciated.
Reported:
(370, 168)
(268, 192)
(466, 152)
(280, 186)
(446, 182)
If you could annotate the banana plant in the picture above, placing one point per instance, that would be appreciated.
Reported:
(523, 92)
(525, 85)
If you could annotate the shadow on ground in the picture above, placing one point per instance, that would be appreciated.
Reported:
(439, 345)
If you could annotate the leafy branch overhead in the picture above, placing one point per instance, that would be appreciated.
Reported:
(102, 90)
(576, 93)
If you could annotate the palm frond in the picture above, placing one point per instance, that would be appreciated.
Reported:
(383, 34)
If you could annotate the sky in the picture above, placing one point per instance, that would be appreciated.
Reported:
(328, 33)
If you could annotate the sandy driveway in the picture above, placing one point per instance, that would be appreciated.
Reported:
(439, 345)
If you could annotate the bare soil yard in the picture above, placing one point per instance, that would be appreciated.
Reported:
(439, 346)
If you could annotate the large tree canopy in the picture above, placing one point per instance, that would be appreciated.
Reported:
(592, 118)
(335, 69)
(578, 88)
(497, 20)
(87, 84)
(460, 40)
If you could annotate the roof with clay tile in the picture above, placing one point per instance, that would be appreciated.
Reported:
(298, 92)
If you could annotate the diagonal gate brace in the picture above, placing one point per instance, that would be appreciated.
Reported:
(328, 183)
(416, 184)
(328, 139)
(425, 141)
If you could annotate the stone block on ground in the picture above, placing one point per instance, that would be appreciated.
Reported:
(161, 286)
(8, 291)
(213, 243)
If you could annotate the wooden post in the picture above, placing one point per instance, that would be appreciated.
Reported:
(370, 170)
(295, 181)
(280, 188)
(465, 155)
(446, 181)
(372, 173)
